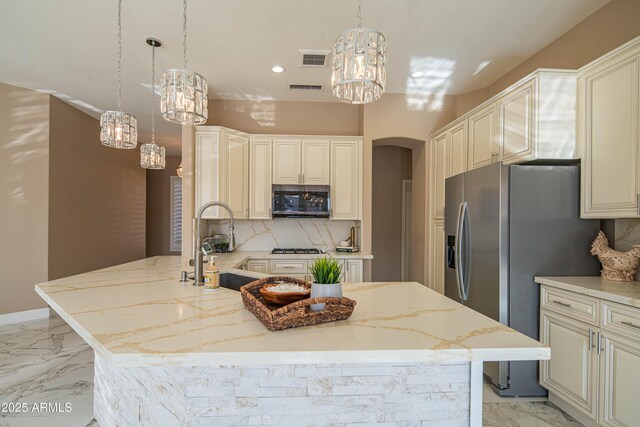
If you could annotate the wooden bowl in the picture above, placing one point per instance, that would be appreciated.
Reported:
(282, 298)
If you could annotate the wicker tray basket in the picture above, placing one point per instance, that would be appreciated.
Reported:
(294, 315)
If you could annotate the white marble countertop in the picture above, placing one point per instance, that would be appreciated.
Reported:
(622, 292)
(139, 314)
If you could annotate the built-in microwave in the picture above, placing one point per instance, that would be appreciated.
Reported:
(301, 201)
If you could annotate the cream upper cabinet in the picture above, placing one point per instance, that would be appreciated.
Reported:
(236, 174)
(207, 167)
(315, 162)
(572, 371)
(483, 146)
(619, 379)
(346, 179)
(287, 166)
(516, 123)
(437, 250)
(222, 171)
(608, 131)
(301, 161)
(457, 148)
(260, 178)
(439, 172)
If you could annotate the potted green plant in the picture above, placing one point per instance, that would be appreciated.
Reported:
(326, 274)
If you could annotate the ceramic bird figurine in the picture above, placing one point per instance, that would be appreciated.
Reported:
(616, 265)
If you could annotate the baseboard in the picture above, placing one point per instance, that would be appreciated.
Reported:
(24, 316)
(571, 410)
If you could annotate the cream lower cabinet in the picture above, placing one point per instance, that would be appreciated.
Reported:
(352, 269)
(260, 176)
(619, 380)
(608, 130)
(572, 371)
(346, 179)
(222, 171)
(595, 364)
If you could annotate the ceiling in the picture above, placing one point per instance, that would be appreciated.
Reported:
(68, 47)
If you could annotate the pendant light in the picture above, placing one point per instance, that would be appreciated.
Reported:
(184, 93)
(117, 128)
(152, 156)
(358, 74)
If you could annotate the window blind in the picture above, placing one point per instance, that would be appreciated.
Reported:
(175, 242)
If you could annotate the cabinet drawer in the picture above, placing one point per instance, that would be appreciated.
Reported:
(623, 319)
(570, 304)
(288, 266)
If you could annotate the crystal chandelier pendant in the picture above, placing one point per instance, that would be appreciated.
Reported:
(152, 156)
(358, 74)
(118, 130)
(184, 97)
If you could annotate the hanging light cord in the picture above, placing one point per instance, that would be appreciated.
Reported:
(119, 55)
(184, 32)
(359, 14)
(153, 93)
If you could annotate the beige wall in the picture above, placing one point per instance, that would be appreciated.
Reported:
(391, 165)
(609, 27)
(393, 116)
(24, 201)
(286, 117)
(96, 197)
(159, 208)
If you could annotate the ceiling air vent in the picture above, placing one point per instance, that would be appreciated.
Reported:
(305, 87)
(314, 58)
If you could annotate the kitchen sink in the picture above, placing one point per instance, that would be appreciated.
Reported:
(234, 281)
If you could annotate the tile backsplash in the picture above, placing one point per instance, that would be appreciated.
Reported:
(264, 235)
(627, 234)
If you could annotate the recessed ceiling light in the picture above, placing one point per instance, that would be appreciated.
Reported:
(481, 66)
(278, 69)
(417, 74)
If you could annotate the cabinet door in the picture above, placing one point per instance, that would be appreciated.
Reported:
(258, 266)
(260, 179)
(439, 167)
(286, 161)
(608, 121)
(315, 162)
(619, 379)
(437, 256)
(517, 132)
(572, 371)
(207, 169)
(236, 175)
(346, 172)
(483, 147)
(353, 270)
(457, 154)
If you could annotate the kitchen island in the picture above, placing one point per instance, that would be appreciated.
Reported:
(171, 354)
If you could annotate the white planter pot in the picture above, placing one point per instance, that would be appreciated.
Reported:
(333, 290)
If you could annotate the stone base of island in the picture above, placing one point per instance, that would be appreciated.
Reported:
(170, 354)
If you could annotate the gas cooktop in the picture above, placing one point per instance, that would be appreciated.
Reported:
(287, 251)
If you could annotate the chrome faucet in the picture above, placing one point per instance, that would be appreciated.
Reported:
(197, 241)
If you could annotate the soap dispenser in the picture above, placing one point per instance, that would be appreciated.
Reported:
(212, 275)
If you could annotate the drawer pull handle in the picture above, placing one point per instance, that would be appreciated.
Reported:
(288, 266)
(564, 304)
(630, 324)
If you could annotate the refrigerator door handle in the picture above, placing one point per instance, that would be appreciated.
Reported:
(462, 251)
(458, 256)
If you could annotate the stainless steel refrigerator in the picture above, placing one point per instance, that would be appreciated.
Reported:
(503, 226)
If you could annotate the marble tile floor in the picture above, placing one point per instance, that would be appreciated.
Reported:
(44, 361)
